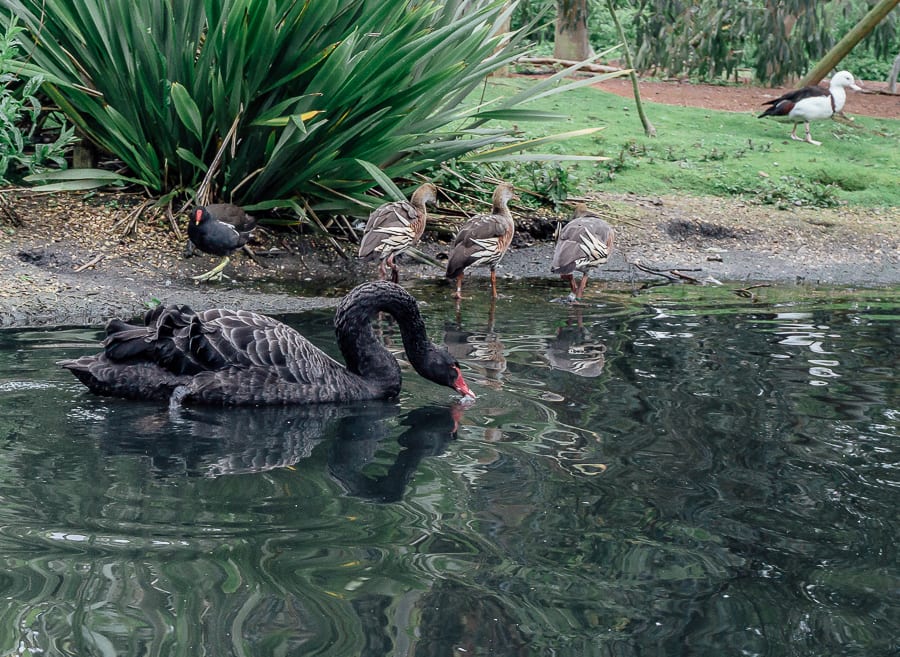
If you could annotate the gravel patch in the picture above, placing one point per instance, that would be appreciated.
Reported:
(67, 262)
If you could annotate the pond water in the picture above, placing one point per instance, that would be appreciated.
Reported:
(686, 472)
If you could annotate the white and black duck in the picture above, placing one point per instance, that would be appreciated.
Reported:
(812, 103)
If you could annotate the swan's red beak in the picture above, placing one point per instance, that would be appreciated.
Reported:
(461, 386)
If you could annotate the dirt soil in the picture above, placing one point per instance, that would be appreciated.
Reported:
(64, 259)
(873, 101)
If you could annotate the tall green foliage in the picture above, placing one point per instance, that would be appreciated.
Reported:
(319, 93)
(709, 38)
(778, 39)
(21, 152)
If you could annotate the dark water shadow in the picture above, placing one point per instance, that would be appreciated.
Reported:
(215, 442)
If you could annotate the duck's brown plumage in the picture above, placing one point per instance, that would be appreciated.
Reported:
(584, 243)
(484, 239)
(395, 227)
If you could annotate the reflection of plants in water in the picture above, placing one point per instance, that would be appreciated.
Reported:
(731, 483)
(166, 561)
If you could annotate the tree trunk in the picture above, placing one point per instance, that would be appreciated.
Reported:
(834, 56)
(892, 76)
(572, 40)
(503, 71)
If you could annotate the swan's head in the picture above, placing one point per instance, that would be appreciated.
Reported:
(844, 79)
(443, 369)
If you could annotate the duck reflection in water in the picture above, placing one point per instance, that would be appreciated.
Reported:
(480, 349)
(201, 441)
(575, 350)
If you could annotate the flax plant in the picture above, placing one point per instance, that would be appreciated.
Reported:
(327, 98)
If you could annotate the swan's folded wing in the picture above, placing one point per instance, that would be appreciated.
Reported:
(246, 339)
(258, 385)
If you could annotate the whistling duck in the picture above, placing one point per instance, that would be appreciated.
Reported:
(811, 104)
(219, 229)
(394, 228)
(237, 357)
(583, 243)
(483, 240)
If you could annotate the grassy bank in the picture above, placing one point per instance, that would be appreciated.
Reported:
(708, 152)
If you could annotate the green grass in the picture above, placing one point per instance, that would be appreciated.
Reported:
(706, 152)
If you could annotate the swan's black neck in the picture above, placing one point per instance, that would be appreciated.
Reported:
(363, 352)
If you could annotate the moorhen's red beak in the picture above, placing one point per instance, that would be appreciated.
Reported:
(198, 216)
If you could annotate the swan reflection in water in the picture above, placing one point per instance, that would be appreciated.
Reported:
(211, 442)
(575, 350)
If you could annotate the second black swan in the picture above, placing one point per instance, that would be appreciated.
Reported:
(237, 357)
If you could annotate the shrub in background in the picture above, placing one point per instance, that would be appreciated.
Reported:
(20, 110)
(302, 101)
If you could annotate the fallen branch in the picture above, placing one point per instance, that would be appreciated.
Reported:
(324, 231)
(672, 274)
(593, 68)
(173, 222)
(127, 225)
(90, 263)
(685, 277)
(655, 272)
(746, 293)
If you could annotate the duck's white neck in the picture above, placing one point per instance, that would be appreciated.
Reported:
(840, 97)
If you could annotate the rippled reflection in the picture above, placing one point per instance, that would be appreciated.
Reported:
(661, 477)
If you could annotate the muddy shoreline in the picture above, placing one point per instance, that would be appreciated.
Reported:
(66, 265)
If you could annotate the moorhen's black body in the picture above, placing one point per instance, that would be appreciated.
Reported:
(229, 357)
(483, 240)
(219, 229)
(394, 228)
(583, 243)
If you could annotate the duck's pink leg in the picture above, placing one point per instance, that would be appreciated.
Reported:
(458, 294)
(809, 137)
(581, 286)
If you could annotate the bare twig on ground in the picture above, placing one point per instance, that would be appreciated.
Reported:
(337, 247)
(543, 61)
(746, 291)
(673, 274)
(90, 263)
(173, 222)
(9, 211)
(127, 225)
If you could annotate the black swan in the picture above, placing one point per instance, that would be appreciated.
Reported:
(237, 357)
